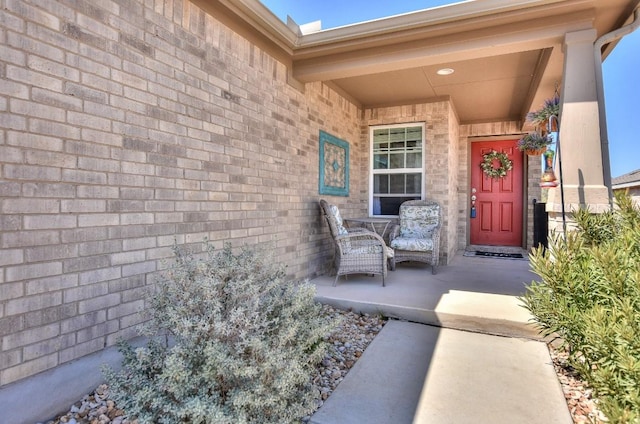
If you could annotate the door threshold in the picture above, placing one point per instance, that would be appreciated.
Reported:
(512, 252)
(495, 249)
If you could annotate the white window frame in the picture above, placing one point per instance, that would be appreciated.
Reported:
(373, 172)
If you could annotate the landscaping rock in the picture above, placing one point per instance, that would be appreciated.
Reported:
(582, 406)
(348, 342)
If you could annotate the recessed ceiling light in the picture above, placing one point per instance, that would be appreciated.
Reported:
(445, 71)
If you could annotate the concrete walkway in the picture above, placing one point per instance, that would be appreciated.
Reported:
(458, 369)
(415, 373)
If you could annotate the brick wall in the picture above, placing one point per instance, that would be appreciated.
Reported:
(126, 126)
(456, 179)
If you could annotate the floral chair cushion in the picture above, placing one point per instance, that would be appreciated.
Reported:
(413, 244)
(417, 222)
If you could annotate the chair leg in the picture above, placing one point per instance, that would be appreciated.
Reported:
(336, 280)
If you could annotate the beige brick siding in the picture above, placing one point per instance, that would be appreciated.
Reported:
(126, 126)
(455, 181)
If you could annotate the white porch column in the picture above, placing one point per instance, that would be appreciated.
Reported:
(580, 148)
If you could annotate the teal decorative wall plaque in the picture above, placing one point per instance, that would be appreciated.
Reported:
(334, 165)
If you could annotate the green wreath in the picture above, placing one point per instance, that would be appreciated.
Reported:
(501, 171)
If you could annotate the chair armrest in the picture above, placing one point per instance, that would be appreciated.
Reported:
(436, 243)
(357, 230)
(360, 238)
(436, 231)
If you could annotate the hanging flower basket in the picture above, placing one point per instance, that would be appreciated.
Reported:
(534, 144)
(536, 152)
(540, 117)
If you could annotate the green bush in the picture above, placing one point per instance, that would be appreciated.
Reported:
(589, 297)
(230, 342)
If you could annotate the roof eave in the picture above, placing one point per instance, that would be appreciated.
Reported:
(419, 19)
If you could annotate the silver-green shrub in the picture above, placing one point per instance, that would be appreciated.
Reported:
(231, 341)
(589, 297)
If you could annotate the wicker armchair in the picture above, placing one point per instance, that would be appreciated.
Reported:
(417, 238)
(357, 251)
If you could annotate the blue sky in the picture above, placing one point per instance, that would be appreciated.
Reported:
(620, 69)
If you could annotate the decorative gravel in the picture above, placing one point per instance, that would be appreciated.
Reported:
(583, 407)
(94, 408)
(348, 341)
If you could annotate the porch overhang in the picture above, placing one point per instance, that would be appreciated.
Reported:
(507, 54)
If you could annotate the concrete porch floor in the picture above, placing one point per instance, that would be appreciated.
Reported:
(471, 293)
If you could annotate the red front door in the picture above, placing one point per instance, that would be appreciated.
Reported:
(498, 205)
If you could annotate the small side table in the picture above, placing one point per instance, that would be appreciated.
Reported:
(371, 222)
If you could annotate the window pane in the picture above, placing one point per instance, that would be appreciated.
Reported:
(397, 134)
(397, 160)
(414, 133)
(381, 184)
(380, 161)
(396, 183)
(414, 183)
(413, 160)
(381, 135)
